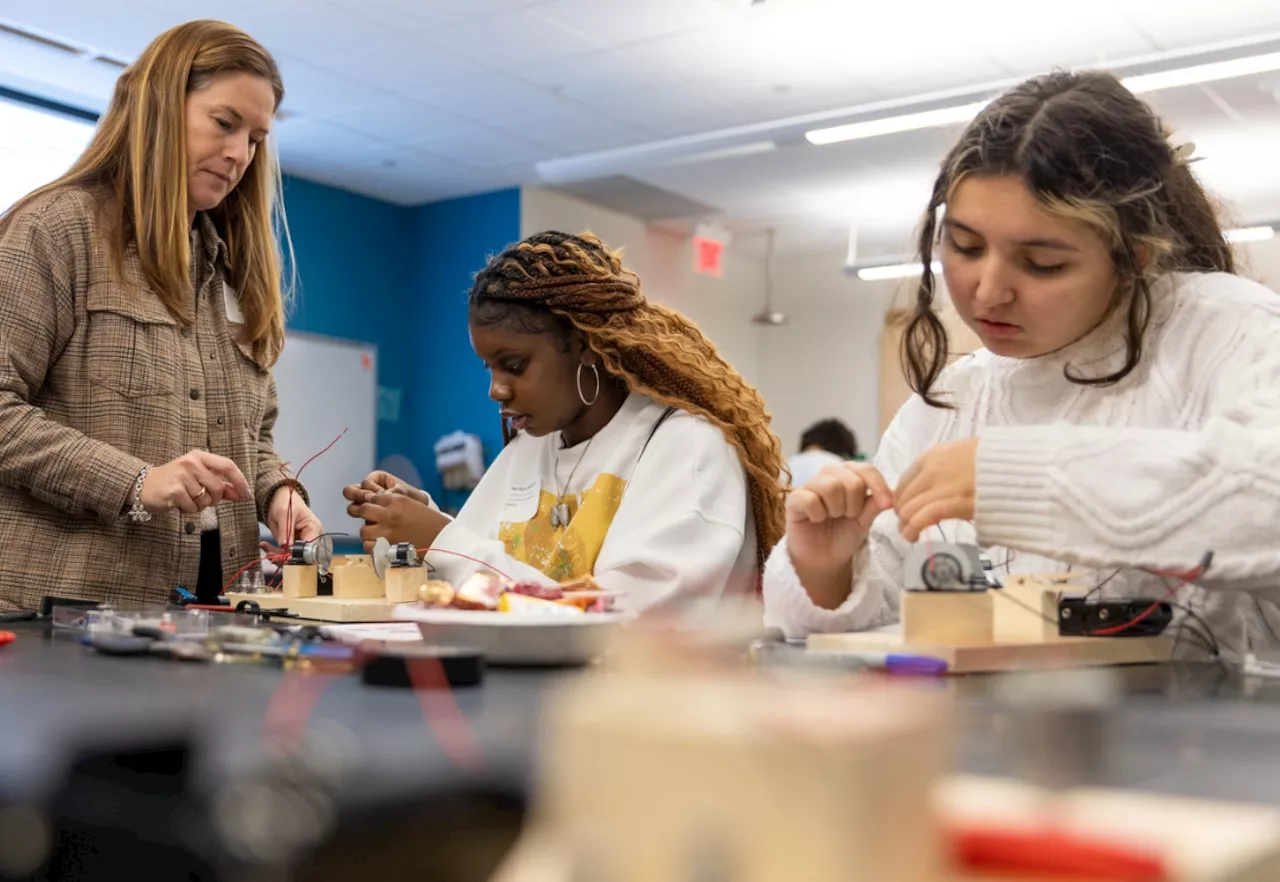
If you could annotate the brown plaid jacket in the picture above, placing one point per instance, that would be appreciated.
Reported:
(97, 379)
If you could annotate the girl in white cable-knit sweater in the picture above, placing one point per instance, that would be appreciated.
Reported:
(1124, 415)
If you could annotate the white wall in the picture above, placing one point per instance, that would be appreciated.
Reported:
(1261, 261)
(722, 308)
(825, 362)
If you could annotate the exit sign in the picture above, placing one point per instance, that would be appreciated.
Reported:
(707, 254)
(709, 241)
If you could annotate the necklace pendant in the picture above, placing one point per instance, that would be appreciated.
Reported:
(560, 515)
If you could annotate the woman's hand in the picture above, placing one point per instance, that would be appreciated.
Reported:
(828, 520)
(281, 511)
(939, 486)
(193, 482)
(381, 482)
(397, 517)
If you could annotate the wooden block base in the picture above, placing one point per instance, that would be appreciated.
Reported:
(991, 656)
(353, 577)
(325, 609)
(1232, 843)
(948, 616)
(1026, 608)
(301, 580)
(403, 583)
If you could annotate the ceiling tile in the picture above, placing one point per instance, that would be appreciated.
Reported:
(186, 10)
(72, 77)
(769, 102)
(94, 24)
(351, 44)
(395, 174)
(606, 70)
(508, 42)
(495, 97)
(302, 138)
(485, 148)
(570, 128)
(669, 114)
(1023, 48)
(1178, 26)
(418, 14)
(402, 121)
(618, 23)
(314, 92)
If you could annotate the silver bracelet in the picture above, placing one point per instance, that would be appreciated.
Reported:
(137, 513)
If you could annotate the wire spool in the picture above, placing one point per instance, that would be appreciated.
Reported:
(386, 556)
(317, 553)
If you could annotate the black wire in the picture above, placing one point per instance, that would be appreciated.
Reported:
(1202, 640)
(1194, 616)
(1100, 585)
(1262, 614)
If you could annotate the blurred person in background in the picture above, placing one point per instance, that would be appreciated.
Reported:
(827, 442)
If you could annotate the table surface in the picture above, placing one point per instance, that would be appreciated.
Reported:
(1193, 729)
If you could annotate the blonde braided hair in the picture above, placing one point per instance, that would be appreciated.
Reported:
(654, 350)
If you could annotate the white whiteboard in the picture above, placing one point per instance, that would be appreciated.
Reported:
(326, 385)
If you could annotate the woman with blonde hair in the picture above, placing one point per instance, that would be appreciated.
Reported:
(140, 314)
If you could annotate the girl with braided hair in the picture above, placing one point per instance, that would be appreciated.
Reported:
(636, 454)
(1124, 413)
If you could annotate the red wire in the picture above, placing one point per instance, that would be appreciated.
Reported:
(293, 484)
(253, 563)
(476, 560)
(1183, 577)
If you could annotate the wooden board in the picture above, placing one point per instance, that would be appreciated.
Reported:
(325, 609)
(972, 658)
(1199, 840)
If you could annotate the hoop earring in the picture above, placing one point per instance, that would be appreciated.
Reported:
(596, 373)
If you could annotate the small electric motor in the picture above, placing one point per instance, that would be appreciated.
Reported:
(387, 556)
(944, 566)
(317, 553)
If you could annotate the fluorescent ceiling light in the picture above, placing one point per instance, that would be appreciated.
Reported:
(1139, 83)
(889, 125)
(1203, 73)
(895, 271)
(1250, 234)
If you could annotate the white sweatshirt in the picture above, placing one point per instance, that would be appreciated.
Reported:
(1179, 458)
(671, 527)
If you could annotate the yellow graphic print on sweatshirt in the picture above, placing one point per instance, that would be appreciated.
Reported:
(564, 553)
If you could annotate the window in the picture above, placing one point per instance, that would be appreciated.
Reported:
(36, 145)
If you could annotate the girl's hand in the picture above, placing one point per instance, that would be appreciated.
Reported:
(828, 520)
(939, 486)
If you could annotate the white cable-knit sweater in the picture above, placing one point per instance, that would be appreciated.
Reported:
(1179, 458)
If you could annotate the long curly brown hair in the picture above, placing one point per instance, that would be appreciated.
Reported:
(1088, 149)
(557, 281)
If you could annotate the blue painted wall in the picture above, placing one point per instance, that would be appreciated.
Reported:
(398, 278)
(450, 390)
(355, 273)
